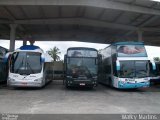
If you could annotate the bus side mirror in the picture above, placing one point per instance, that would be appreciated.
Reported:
(96, 61)
(42, 59)
(7, 56)
(65, 58)
(68, 60)
(99, 58)
(153, 65)
(117, 65)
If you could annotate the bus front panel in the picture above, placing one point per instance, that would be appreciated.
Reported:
(132, 74)
(81, 72)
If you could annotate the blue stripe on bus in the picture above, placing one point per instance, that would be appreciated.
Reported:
(29, 47)
(42, 59)
(128, 43)
(133, 85)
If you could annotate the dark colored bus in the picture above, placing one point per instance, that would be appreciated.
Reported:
(3, 65)
(81, 66)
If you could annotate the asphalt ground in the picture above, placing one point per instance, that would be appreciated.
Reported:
(54, 98)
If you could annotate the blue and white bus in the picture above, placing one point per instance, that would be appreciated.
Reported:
(28, 67)
(124, 65)
(3, 65)
(81, 67)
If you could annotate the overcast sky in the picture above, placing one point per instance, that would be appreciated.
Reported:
(151, 50)
(63, 46)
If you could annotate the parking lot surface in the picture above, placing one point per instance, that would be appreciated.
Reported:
(55, 98)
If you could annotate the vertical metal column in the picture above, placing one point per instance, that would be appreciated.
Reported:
(140, 35)
(32, 42)
(25, 41)
(12, 36)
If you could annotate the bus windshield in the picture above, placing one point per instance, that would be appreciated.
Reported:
(26, 63)
(131, 69)
(85, 67)
(82, 53)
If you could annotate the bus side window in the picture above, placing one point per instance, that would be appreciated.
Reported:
(68, 60)
(151, 69)
(151, 66)
(65, 58)
(96, 61)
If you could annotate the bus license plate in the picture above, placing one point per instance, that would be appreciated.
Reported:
(82, 84)
(131, 80)
(24, 83)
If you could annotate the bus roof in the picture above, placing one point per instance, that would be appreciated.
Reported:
(29, 47)
(128, 43)
(81, 48)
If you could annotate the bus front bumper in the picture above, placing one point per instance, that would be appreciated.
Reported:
(133, 85)
(24, 84)
(155, 79)
(82, 83)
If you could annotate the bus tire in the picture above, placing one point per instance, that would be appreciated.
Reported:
(66, 84)
(110, 82)
(91, 87)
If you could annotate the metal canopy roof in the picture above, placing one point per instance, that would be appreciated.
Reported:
(98, 21)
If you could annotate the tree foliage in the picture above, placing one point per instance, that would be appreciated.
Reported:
(156, 59)
(54, 53)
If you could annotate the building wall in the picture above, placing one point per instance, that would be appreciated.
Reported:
(58, 70)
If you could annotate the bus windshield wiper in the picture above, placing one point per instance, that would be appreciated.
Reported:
(141, 73)
(29, 66)
(19, 66)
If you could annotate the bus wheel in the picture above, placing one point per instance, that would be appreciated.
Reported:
(91, 87)
(110, 81)
(66, 85)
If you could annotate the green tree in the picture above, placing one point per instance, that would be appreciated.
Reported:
(54, 53)
(156, 59)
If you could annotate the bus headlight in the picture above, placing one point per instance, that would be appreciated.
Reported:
(146, 79)
(11, 79)
(69, 76)
(122, 82)
(38, 80)
(95, 78)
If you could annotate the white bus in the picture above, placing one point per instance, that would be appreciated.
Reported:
(28, 67)
(124, 65)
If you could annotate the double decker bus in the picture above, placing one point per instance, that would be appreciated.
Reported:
(3, 64)
(28, 67)
(81, 66)
(124, 65)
